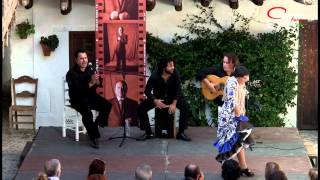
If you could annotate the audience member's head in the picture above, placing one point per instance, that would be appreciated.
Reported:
(313, 174)
(97, 166)
(278, 175)
(230, 170)
(97, 177)
(192, 171)
(42, 176)
(271, 167)
(52, 168)
(143, 172)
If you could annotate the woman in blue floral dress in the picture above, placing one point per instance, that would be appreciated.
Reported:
(232, 141)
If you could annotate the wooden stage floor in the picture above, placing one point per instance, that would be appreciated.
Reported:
(168, 157)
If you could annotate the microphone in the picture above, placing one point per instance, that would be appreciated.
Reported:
(91, 68)
(93, 71)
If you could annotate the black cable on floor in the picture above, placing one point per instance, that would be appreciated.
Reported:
(259, 142)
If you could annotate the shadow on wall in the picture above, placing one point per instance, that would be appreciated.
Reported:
(6, 74)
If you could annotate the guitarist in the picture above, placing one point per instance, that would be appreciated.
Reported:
(227, 66)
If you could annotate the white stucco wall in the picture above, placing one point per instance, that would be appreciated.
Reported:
(27, 58)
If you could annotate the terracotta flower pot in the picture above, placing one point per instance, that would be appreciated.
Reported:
(23, 36)
(46, 50)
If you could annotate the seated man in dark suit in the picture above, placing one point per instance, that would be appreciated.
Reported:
(82, 82)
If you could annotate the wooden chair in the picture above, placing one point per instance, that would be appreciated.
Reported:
(312, 153)
(19, 99)
(72, 119)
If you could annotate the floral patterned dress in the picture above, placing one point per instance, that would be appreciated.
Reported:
(229, 139)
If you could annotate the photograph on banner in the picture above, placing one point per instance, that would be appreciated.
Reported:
(121, 9)
(121, 47)
(124, 98)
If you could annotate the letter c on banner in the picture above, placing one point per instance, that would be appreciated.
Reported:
(277, 7)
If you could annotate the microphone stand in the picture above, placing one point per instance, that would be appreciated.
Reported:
(123, 109)
(247, 112)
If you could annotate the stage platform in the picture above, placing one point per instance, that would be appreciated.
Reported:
(168, 157)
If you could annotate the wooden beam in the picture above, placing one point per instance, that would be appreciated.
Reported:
(8, 15)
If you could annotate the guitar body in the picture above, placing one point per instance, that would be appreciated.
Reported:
(219, 83)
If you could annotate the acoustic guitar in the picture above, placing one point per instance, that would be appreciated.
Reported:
(219, 84)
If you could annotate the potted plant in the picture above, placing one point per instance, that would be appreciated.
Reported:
(24, 29)
(49, 44)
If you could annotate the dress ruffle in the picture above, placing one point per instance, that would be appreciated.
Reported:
(227, 146)
(232, 147)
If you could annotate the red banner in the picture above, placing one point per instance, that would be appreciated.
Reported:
(120, 52)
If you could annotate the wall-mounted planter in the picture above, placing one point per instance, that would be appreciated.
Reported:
(24, 29)
(49, 44)
(46, 50)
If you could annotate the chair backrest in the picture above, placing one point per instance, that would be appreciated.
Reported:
(66, 97)
(24, 87)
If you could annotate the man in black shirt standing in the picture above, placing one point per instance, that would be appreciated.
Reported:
(163, 90)
(83, 81)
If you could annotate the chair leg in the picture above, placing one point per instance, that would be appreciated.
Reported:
(34, 122)
(16, 119)
(64, 127)
(77, 130)
(10, 121)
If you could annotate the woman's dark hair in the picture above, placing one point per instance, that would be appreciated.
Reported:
(230, 170)
(240, 71)
(163, 64)
(232, 57)
(97, 167)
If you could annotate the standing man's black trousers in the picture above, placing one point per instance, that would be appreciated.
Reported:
(98, 103)
(148, 104)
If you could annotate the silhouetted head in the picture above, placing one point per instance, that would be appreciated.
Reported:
(97, 166)
(230, 170)
(192, 171)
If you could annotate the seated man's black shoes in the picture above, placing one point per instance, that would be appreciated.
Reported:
(95, 143)
(183, 136)
(146, 136)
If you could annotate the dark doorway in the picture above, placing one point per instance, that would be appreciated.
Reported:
(308, 76)
(82, 40)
